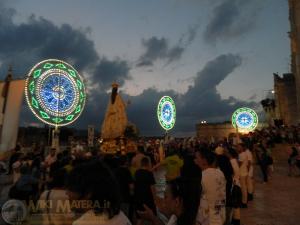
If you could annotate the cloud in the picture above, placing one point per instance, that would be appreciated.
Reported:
(201, 101)
(159, 49)
(26, 43)
(204, 92)
(107, 71)
(188, 37)
(215, 71)
(38, 38)
(231, 19)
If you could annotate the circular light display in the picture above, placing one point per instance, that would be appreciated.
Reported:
(245, 119)
(166, 112)
(55, 92)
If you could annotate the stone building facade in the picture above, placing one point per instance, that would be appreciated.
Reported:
(285, 98)
(214, 131)
(287, 87)
(294, 16)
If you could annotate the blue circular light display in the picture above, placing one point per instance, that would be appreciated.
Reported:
(244, 119)
(57, 93)
(167, 112)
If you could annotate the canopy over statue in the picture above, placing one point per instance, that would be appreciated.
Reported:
(115, 120)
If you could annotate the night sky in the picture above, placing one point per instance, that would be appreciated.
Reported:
(211, 56)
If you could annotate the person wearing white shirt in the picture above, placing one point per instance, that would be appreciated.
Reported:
(244, 170)
(213, 198)
(250, 180)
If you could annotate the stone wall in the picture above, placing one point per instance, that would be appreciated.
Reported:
(285, 98)
(294, 16)
(215, 132)
(218, 131)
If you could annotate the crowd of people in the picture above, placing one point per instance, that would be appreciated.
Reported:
(193, 182)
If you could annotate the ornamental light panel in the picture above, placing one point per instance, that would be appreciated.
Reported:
(55, 92)
(245, 119)
(166, 112)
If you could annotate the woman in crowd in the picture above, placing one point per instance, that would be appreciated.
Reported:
(236, 195)
(180, 203)
(57, 194)
(223, 163)
(93, 186)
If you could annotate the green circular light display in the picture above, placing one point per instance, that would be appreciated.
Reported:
(244, 119)
(166, 112)
(55, 92)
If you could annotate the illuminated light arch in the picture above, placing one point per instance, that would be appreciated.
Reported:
(245, 119)
(166, 112)
(55, 92)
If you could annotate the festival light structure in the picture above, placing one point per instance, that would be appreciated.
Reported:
(166, 113)
(244, 119)
(55, 92)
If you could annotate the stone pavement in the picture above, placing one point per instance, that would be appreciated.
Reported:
(278, 201)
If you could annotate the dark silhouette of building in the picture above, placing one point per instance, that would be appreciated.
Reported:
(285, 99)
(287, 87)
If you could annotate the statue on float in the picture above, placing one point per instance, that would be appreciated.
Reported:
(116, 125)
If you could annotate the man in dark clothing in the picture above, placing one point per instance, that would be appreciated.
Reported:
(189, 168)
(126, 186)
(224, 164)
(262, 159)
(14, 158)
(144, 187)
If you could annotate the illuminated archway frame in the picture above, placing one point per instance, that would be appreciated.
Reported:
(55, 92)
(166, 112)
(245, 119)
